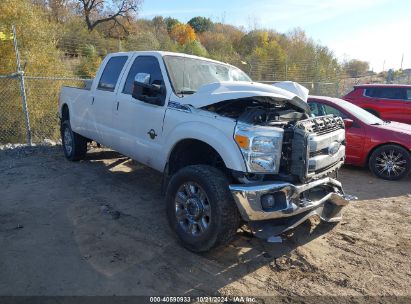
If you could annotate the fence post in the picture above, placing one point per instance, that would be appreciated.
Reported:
(20, 75)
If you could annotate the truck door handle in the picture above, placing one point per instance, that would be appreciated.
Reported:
(92, 101)
(118, 103)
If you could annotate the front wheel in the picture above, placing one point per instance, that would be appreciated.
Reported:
(201, 209)
(390, 162)
(74, 145)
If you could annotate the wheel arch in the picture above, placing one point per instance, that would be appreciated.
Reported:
(64, 112)
(220, 142)
(192, 151)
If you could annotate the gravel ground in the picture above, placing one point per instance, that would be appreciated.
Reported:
(98, 227)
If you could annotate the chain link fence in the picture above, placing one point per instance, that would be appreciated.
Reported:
(42, 96)
(42, 99)
(12, 126)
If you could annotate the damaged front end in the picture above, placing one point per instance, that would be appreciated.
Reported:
(312, 149)
(290, 158)
(273, 200)
(272, 208)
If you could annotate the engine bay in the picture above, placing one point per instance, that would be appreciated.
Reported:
(259, 111)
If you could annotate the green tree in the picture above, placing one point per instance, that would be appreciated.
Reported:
(90, 62)
(200, 24)
(170, 23)
(219, 47)
(356, 68)
(252, 40)
(267, 61)
(193, 48)
(75, 36)
(142, 41)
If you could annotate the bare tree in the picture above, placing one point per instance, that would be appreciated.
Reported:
(96, 12)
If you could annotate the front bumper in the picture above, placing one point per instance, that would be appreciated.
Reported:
(294, 199)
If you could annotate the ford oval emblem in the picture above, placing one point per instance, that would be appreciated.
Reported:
(334, 147)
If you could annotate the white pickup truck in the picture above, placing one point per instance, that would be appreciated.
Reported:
(230, 150)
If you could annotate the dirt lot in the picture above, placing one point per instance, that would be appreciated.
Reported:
(98, 227)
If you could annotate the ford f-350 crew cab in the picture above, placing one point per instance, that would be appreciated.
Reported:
(231, 150)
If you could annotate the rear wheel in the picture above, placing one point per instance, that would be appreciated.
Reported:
(201, 209)
(74, 145)
(390, 162)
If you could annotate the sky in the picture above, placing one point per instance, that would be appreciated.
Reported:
(376, 31)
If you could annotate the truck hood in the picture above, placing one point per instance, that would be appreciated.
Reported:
(230, 90)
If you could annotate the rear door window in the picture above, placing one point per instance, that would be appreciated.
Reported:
(387, 93)
(111, 73)
(371, 92)
(393, 93)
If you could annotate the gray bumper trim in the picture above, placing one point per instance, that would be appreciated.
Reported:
(247, 198)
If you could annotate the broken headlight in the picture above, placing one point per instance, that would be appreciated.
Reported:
(260, 146)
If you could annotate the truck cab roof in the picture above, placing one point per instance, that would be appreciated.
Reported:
(165, 53)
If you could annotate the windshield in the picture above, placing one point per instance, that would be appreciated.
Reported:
(188, 74)
(360, 113)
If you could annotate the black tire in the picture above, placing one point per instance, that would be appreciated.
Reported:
(74, 145)
(223, 216)
(390, 162)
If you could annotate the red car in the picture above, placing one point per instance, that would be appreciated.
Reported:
(382, 145)
(387, 101)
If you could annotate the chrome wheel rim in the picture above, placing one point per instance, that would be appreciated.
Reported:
(68, 141)
(192, 209)
(391, 163)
